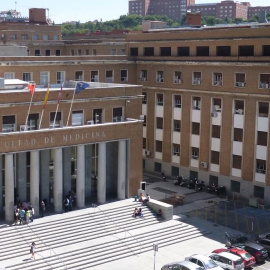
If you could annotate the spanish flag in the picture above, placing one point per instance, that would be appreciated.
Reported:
(31, 88)
(46, 97)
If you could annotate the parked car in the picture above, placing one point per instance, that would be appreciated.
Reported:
(256, 250)
(184, 265)
(264, 235)
(265, 243)
(203, 261)
(248, 259)
(228, 261)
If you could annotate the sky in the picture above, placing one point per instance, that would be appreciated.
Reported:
(86, 10)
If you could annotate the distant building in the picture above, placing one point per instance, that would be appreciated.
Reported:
(173, 9)
(253, 11)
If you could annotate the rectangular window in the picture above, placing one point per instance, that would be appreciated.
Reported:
(217, 79)
(27, 76)
(160, 99)
(34, 37)
(37, 53)
(13, 36)
(177, 77)
(113, 52)
(24, 37)
(215, 157)
(160, 76)
(237, 162)
(124, 75)
(117, 114)
(45, 37)
(78, 75)
(195, 130)
(216, 103)
(87, 52)
(79, 52)
(258, 192)
(9, 75)
(157, 167)
(246, 50)
(9, 124)
(144, 143)
(57, 52)
(159, 146)
(194, 153)
(174, 171)
(144, 100)
(196, 78)
(177, 125)
(238, 134)
(109, 76)
(182, 51)
(32, 123)
(97, 113)
(94, 76)
(149, 51)
(77, 118)
(223, 51)
(165, 51)
(55, 120)
(196, 103)
(202, 50)
(55, 37)
(94, 51)
(159, 122)
(44, 78)
(176, 149)
(47, 52)
(177, 101)
(262, 138)
(239, 106)
(60, 76)
(144, 120)
(235, 186)
(266, 50)
(72, 53)
(263, 109)
(240, 79)
(215, 131)
(264, 80)
(123, 52)
(143, 75)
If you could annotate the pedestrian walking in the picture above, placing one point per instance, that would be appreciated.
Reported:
(28, 216)
(17, 216)
(42, 206)
(22, 216)
(32, 210)
(66, 203)
(32, 250)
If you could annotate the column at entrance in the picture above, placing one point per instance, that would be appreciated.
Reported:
(101, 183)
(80, 181)
(121, 179)
(58, 180)
(9, 188)
(34, 180)
(21, 176)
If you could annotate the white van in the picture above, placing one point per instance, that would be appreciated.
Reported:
(228, 261)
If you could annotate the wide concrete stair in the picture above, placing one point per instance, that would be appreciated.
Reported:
(84, 239)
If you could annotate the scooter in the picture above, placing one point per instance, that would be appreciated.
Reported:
(212, 188)
(184, 182)
(199, 185)
(191, 184)
(178, 180)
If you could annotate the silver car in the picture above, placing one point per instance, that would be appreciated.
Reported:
(184, 265)
(204, 262)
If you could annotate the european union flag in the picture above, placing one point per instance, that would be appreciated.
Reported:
(81, 86)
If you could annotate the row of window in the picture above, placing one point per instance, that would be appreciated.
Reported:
(28, 37)
(217, 78)
(56, 119)
(243, 50)
(61, 76)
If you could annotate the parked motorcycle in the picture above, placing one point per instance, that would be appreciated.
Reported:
(184, 182)
(178, 180)
(211, 188)
(191, 184)
(199, 185)
(234, 239)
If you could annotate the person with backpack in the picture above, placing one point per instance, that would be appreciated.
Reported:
(66, 203)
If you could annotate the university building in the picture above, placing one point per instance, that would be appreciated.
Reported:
(205, 104)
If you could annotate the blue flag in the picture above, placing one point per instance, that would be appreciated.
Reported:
(81, 86)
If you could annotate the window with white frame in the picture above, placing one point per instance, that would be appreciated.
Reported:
(177, 125)
(261, 166)
(113, 51)
(44, 78)
(60, 76)
(24, 37)
(177, 77)
(264, 81)
(56, 37)
(8, 123)
(196, 103)
(77, 118)
(34, 37)
(196, 78)
(263, 109)
(217, 79)
(13, 36)
(239, 107)
(176, 149)
(160, 99)
(45, 37)
(37, 52)
(79, 52)
(143, 75)
(9, 75)
(177, 101)
(117, 114)
(124, 75)
(109, 78)
(194, 153)
(27, 76)
(55, 120)
(79, 75)
(94, 76)
(160, 76)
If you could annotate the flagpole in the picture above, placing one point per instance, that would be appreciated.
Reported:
(71, 103)
(55, 114)
(29, 109)
(41, 118)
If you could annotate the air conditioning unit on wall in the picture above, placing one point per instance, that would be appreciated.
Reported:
(204, 164)
(147, 152)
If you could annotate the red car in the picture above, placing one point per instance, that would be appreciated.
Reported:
(246, 257)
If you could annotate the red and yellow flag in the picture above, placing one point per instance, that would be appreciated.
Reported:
(31, 88)
(46, 97)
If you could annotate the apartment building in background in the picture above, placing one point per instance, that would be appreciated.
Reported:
(173, 9)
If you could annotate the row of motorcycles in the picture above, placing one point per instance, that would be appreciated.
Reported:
(199, 185)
